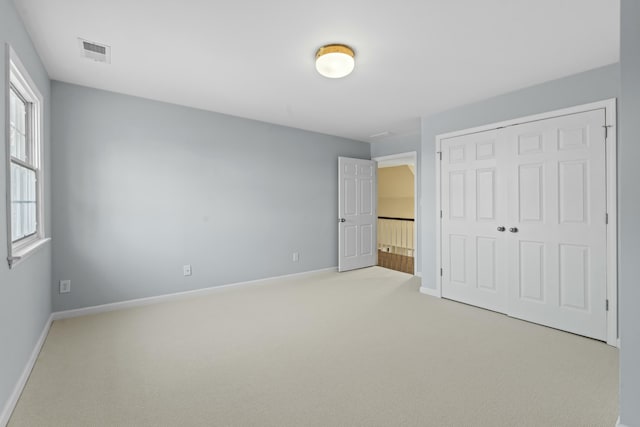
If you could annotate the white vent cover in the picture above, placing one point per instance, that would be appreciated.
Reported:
(380, 134)
(95, 51)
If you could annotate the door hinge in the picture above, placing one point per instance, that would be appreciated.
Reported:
(440, 154)
(607, 305)
(440, 214)
(441, 272)
(606, 218)
(606, 131)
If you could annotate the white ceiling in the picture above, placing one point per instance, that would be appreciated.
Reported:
(255, 58)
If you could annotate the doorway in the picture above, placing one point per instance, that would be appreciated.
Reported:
(397, 212)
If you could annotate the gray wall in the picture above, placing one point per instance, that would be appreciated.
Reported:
(629, 214)
(594, 85)
(405, 144)
(25, 304)
(396, 145)
(143, 187)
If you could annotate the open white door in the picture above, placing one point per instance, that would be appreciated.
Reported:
(357, 216)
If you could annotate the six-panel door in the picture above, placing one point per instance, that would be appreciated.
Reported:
(357, 231)
(545, 182)
(557, 202)
(473, 208)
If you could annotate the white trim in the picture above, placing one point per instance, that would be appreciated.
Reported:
(410, 157)
(618, 424)
(609, 105)
(438, 278)
(16, 73)
(612, 228)
(10, 404)
(405, 155)
(139, 302)
(7, 149)
(533, 118)
(430, 291)
(397, 159)
(25, 252)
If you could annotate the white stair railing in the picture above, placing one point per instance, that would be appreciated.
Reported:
(395, 235)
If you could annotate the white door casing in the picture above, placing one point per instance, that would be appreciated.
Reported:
(357, 213)
(555, 181)
(409, 158)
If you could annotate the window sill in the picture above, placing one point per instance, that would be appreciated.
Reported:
(25, 252)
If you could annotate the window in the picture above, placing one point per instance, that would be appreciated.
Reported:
(24, 192)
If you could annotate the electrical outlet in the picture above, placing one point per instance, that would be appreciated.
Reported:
(65, 286)
(186, 270)
(295, 257)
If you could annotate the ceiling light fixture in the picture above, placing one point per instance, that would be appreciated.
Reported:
(335, 61)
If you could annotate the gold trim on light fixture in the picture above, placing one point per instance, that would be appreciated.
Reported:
(335, 48)
(335, 60)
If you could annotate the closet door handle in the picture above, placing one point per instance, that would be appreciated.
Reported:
(513, 229)
(501, 229)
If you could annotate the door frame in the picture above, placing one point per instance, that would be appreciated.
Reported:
(609, 105)
(403, 159)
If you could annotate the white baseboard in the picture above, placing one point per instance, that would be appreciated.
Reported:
(22, 381)
(167, 297)
(429, 291)
(618, 423)
(10, 405)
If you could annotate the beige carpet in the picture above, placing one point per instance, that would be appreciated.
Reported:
(362, 348)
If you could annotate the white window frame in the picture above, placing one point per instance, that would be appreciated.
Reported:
(18, 77)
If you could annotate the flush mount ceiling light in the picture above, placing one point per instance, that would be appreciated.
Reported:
(335, 61)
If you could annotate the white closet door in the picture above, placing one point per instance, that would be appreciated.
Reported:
(473, 207)
(557, 202)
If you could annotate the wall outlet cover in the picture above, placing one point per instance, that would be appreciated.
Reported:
(186, 270)
(65, 286)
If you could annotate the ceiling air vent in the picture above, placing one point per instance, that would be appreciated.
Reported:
(380, 134)
(95, 51)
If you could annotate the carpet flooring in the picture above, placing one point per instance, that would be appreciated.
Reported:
(361, 348)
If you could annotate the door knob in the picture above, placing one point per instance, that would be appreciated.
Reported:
(513, 229)
(501, 228)
(342, 220)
